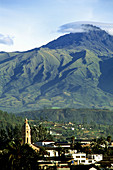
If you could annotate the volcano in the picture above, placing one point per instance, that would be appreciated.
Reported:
(73, 71)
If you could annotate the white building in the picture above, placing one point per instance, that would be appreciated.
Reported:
(81, 158)
(52, 148)
(51, 152)
(44, 142)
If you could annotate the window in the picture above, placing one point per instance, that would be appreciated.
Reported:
(83, 161)
(82, 156)
(77, 156)
(90, 161)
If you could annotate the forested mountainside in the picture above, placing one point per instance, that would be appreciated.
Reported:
(73, 71)
(80, 116)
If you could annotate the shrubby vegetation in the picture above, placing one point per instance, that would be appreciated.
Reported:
(11, 129)
(87, 123)
(98, 116)
(14, 155)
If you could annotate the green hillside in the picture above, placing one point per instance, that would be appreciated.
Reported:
(82, 116)
(74, 71)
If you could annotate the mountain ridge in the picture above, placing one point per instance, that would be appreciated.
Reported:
(70, 72)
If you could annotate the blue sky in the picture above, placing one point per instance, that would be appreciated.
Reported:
(27, 24)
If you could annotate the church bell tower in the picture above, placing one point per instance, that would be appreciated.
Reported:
(26, 133)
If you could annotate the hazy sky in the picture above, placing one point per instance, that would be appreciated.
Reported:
(27, 24)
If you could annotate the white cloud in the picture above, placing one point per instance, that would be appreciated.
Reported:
(6, 40)
(80, 26)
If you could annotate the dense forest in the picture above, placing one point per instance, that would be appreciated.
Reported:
(74, 115)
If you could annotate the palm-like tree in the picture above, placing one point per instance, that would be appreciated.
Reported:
(99, 146)
(18, 157)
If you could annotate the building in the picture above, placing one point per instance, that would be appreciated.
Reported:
(44, 142)
(26, 133)
(82, 158)
(58, 153)
(26, 136)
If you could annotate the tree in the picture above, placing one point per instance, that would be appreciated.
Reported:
(109, 139)
(73, 141)
(39, 133)
(99, 146)
(16, 156)
(3, 138)
(78, 147)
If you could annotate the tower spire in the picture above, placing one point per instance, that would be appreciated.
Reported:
(27, 132)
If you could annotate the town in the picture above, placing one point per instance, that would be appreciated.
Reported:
(76, 154)
(42, 144)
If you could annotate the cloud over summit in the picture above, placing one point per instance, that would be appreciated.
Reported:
(85, 26)
(6, 40)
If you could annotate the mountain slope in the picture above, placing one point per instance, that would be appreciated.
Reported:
(73, 71)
